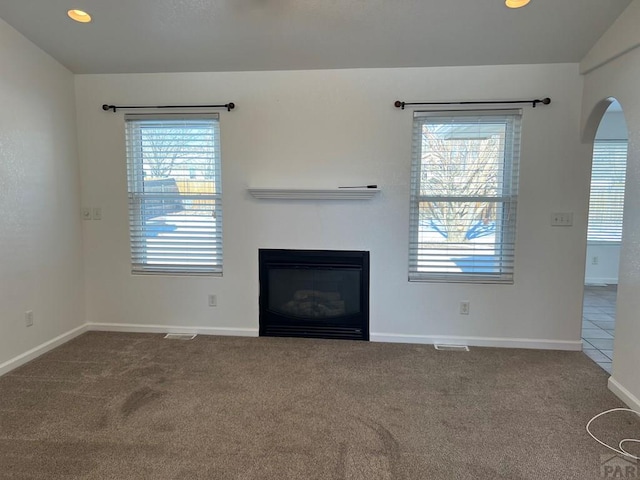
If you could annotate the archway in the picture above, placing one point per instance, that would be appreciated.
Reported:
(607, 128)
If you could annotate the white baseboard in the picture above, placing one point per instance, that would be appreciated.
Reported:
(116, 327)
(140, 328)
(41, 349)
(623, 394)
(253, 332)
(540, 344)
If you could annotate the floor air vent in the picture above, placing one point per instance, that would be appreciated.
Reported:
(180, 336)
(452, 348)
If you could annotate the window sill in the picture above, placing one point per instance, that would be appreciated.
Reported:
(462, 278)
(169, 273)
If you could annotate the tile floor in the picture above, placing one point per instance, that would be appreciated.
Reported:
(598, 323)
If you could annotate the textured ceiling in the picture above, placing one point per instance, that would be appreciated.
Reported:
(232, 35)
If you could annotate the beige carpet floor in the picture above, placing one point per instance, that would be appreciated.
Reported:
(136, 406)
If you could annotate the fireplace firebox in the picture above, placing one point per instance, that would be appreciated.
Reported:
(314, 293)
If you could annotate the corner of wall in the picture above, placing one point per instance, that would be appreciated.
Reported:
(622, 37)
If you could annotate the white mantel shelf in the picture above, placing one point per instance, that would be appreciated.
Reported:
(313, 193)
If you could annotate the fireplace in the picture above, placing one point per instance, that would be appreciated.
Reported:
(314, 293)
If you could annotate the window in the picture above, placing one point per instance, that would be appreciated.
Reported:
(606, 202)
(175, 201)
(464, 185)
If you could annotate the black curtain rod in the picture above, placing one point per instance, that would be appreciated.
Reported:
(229, 106)
(544, 101)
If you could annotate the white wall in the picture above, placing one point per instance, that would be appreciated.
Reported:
(331, 128)
(602, 264)
(619, 78)
(605, 268)
(40, 232)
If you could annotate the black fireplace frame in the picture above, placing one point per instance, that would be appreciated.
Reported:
(347, 327)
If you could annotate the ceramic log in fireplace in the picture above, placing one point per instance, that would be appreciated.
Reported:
(314, 293)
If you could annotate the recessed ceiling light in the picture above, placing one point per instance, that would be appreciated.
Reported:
(516, 3)
(79, 16)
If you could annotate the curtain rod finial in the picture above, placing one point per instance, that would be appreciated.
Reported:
(399, 104)
(544, 101)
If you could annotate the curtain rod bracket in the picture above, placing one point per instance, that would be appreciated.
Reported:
(114, 108)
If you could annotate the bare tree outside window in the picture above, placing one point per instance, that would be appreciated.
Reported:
(459, 167)
(176, 152)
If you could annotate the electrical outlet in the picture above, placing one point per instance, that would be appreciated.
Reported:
(464, 308)
(213, 301)
(86, 213)
(97, 213)
(28, 318)
(594, 261)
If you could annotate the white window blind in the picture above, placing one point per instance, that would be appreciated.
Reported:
(606, 202)
(175, 197)
(464, 190)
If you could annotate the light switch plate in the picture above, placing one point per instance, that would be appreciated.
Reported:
(562, 219)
